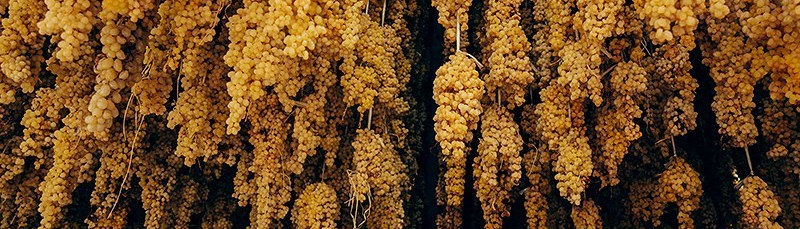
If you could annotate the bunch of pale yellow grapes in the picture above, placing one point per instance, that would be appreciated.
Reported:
(389, 114)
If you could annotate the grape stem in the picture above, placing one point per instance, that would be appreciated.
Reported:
(609, 70)
(480, 66)
(604, 51)
(749, 163)
(498, 98)
(458, 33)
(674, 150)
(458, 43)
(128, 170)
(383, 13)
(369, 119)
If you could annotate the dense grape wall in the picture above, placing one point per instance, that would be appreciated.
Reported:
(399, 114)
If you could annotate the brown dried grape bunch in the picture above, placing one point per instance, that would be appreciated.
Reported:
(365, 160)
(268, 41)
(457, 90)
(776, 126)
(558, 14)
(773, 26)
(498, 166)
(670, 93)
(262, 177)
(158, 176)
(786, 74)
(616, 128)
(586, 215)
(72, 149)
(760, 206)
(309, 118)
(108, 178)
(200, 108)
(679, 184)
(642, 201)
(597, 19)
(316, 207)
(506, 51)
(11, 165)
(40, 122)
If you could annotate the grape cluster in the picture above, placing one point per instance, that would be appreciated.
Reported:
(506, 54)
(108, 179)
(497, 168)
(379, 176)
(72, 150)
(458, 91)
(670, 93)
(679, 184)
(112, 76)
(316, 207)
(759, 204)
(369, 74)
(671, 20)
(199, 109)
(616, 128)
(158, 173)
(536, 164)
(21, 48)
(261, 58)
(453, 17)
(270, 188)
(737, 64)
(72, 22)
(587, 215)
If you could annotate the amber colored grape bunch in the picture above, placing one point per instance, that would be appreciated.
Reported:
(760, 206)
(453, 17)
(498, 166)
(379, 179)
(587, 215)
(736, 66)
(20, 48)
(679, 184)
(616, 128)
(536, 162)
(562, 127)
(316, 207)
(457, 90)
